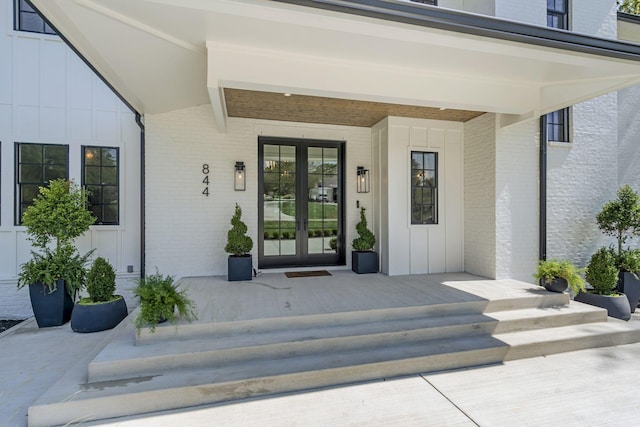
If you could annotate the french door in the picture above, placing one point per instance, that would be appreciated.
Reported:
(301, 202)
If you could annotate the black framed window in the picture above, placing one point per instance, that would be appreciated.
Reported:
(100, 176)
(36, 165)
(558, 14)
(424, 187)
(558, 126)
(558, 121)
(27, 19)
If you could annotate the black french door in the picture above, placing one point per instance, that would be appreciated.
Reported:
(300, 202)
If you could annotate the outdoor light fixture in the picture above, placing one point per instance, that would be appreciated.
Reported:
(239, 179)
(363, 180)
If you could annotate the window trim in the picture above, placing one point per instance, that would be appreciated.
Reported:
(18, 189)
(437, 201)
(84, 185)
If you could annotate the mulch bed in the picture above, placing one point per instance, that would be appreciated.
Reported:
(6, 324)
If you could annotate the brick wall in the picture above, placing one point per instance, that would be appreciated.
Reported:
(186, 231)
(480, 196)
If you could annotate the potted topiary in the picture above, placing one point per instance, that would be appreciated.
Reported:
(160, 298)
(101, 310)
(556, 275)
(363, 258)
(56, 270)
(602, 275)
(239, 245)
(628, 280)
(620, 218)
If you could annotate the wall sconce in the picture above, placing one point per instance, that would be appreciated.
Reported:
(239, 179)
(363, 180)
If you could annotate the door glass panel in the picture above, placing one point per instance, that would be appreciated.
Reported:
(279, 189)
(322, 203)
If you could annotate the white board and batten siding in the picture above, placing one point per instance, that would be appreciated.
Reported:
(407, 248)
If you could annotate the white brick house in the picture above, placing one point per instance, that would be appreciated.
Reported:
(331, 86)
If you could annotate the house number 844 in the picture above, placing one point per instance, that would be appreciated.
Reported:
(205, 181)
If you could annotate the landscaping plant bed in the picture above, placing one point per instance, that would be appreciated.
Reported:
(7, 324)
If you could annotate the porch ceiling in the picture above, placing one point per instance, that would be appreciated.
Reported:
(163, 55)
(314, 109)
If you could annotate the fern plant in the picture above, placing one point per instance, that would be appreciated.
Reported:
(238, 243)
(366, 240)
(160, 298)
(552, 269)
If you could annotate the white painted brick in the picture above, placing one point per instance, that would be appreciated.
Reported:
(480, 196)
(186, 231)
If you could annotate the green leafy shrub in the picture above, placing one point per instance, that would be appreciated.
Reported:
(159, 301)
(602, 272)
(334, 232)
(56, 218)
(318, 233)
(266, 235)
(275, 235)
(629, 261)
(620, 218)
(101, 281)
(327, 233)
(238, 243)
(285, 234)
(552, 269)
(366, 239)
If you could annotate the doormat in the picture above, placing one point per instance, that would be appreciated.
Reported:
(315, 273)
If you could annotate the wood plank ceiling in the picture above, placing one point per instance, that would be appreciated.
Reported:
(313, 109)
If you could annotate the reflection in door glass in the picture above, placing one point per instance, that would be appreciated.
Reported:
(322, 203)
(279, 168)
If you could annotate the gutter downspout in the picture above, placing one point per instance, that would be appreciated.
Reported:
(139, 121)
(542, 226)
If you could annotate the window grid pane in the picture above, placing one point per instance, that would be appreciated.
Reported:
(100, 172)
(424, 187)
(36, 165)
(27, 19)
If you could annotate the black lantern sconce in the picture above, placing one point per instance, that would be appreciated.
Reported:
(363, 180)
(239, 178)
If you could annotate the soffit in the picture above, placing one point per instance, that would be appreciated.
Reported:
(313, 109)
(163, 55)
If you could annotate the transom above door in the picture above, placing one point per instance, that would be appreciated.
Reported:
(301, 202)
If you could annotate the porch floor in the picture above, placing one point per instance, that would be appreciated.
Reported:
(272, 295)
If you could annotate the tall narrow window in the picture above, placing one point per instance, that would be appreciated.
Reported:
(27, 19)
(36, 165)
(100, 176)
(558, 14)
(424, 187)
(558, 121)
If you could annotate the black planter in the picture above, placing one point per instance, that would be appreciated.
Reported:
(616, 306)
(98, 317)
(50, 309)
(630, 286)
(556, 285)
(364, 262)
(239, 268)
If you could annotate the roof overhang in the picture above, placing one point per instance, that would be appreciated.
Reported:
(163, 55)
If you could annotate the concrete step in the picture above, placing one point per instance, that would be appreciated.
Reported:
(232, 381)
(188, 331)
(121, 359)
